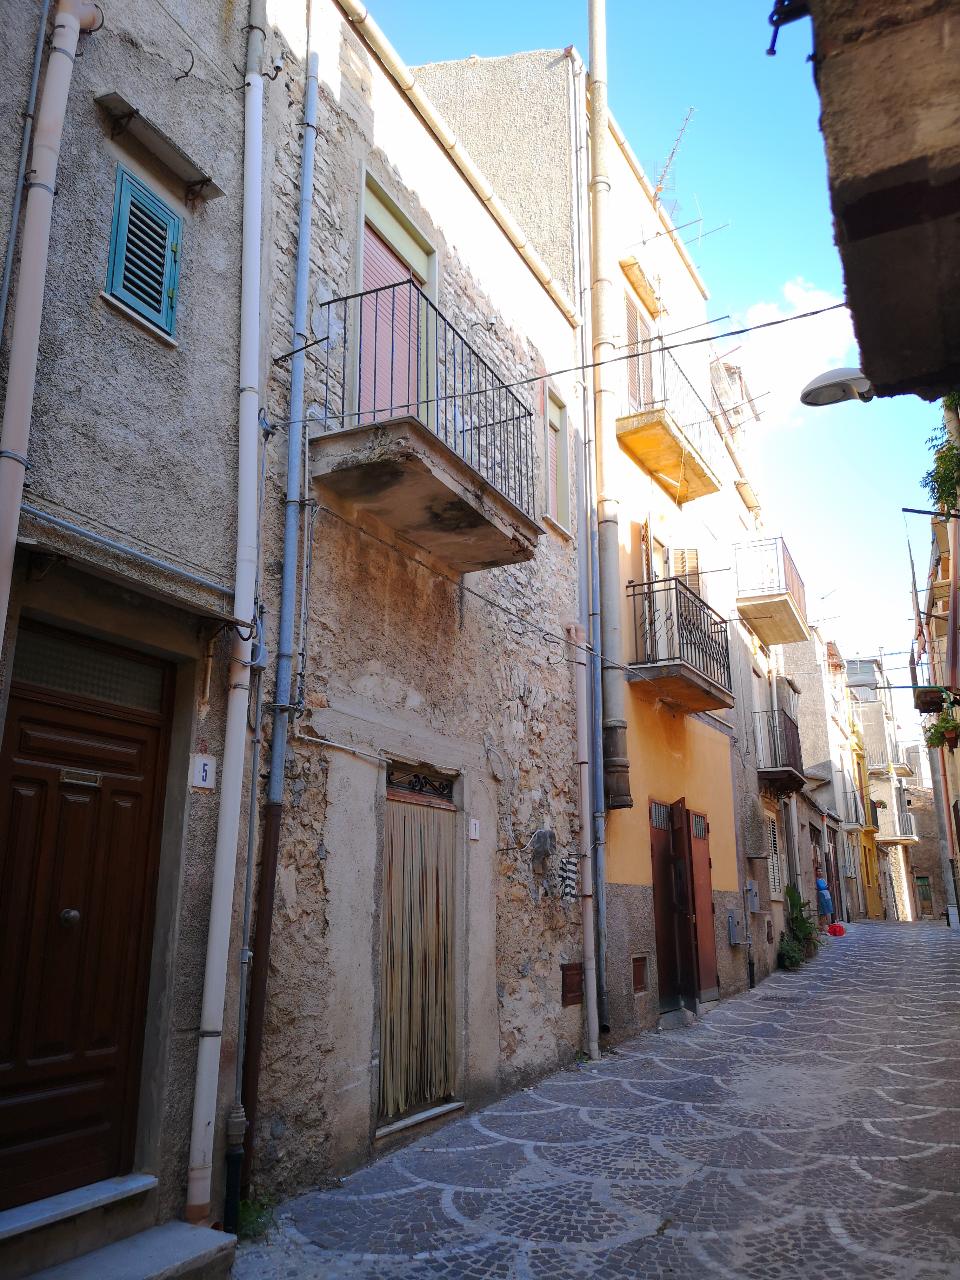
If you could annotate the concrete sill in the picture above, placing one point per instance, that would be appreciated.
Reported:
(556, 527)
(145, 325)
(70, 1204)
(420, 1118)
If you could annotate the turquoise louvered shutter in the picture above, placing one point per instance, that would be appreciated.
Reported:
(144, 253)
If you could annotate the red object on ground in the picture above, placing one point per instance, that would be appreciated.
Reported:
(836, 930)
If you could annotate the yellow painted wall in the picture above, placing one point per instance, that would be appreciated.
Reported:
(672, 756)
(870, 863)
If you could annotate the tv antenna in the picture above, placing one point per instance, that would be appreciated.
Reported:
(661, 180)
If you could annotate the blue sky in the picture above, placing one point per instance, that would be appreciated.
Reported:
(832, 480)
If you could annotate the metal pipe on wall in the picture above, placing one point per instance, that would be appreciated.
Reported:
(70, 18)
(588, 540)
(22, 163)
(282, 708)
(616, 764)
(237, 729)
(576, 636)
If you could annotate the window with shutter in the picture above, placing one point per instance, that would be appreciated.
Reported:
(558, 474)
(686, 565)
(640, 369)
(145, 248)
(773, 859)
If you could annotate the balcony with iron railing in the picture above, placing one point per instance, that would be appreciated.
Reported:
(779, 758)
(681, 652)
(770, 594)
(871, 817)
(415, 428)
(668, 427)
(887, 758)
(897, 827)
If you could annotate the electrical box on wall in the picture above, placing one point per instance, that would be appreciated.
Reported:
(736, 934)
(474, 828)
(753, 896)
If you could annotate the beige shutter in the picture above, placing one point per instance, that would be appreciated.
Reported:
(686, 565)
(417, 958)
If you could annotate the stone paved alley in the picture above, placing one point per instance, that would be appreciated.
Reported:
(808, 1128)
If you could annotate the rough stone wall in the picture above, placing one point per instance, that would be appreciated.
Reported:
(530, 168)
(925, 856)
(405, 661)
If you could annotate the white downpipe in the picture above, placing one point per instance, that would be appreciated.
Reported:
(71, 17)
(235, 735)
(576, 636)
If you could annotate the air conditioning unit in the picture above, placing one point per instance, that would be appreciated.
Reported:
(753, 896)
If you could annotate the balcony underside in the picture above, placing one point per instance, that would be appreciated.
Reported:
(901, 839)
(782, 778)
(657, 442)
(775, 619)
(401, 474)
(681, 685)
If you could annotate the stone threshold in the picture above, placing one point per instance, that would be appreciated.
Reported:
(70, 1204)
(421, 1117)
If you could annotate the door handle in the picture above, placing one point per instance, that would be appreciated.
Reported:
(69, 917)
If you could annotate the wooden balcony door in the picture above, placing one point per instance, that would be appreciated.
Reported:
(417, 963)
(81, 770)
(389, 337)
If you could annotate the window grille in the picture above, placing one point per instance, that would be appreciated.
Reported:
(699, 826)
(774, 869)
(143, 272)
(660, 816)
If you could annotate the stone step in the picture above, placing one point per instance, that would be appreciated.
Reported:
(162, 1253)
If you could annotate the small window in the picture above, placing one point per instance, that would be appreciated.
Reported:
(571, 984)
(144, 253)
(686, 567)
(558, 474)
(640, 369)
(639, 974)
(773, 859)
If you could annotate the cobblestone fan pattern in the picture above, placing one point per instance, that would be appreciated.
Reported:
(808, 1128)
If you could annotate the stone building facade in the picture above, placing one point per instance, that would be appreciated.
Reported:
(113, 672)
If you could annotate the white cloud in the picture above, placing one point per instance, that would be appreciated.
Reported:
(782, 360)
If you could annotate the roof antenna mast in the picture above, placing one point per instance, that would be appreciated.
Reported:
(658, 189)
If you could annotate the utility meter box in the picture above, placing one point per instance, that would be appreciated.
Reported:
(753, 896)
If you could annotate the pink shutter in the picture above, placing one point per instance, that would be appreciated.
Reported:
(389, 327)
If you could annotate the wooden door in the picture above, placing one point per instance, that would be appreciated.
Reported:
(390, 323)
(708, 980)
(80, 803)
(417, 964)
(672, 905)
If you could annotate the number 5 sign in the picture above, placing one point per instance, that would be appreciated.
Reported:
(203, 773)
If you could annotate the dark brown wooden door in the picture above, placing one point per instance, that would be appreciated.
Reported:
(80, 796)
(672, 905)
(708, 981)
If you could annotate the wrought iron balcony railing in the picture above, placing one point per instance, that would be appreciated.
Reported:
(673, 624)
(777, 740)
(766, 568)
(389, 354)
(658, 381)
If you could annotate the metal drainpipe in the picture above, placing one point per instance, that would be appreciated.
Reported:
(237, 1119)
(206, 1087)
(71, 17)
(22, 166)
(589, 545)
(616, 764)
(282, 709)
(576, 636)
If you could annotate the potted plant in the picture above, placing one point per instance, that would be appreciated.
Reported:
(789, 953)
(944, 731)
(800, 923)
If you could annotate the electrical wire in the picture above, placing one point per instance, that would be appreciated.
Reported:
(656, 345)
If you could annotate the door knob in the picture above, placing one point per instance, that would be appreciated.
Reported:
(69, 917)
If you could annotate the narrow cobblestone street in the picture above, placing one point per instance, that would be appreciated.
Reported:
(808, 1128)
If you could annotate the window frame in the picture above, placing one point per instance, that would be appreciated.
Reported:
(127, 187)
(772, 838)
(556, 497)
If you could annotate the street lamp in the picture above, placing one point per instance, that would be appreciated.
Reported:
(836, 385)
